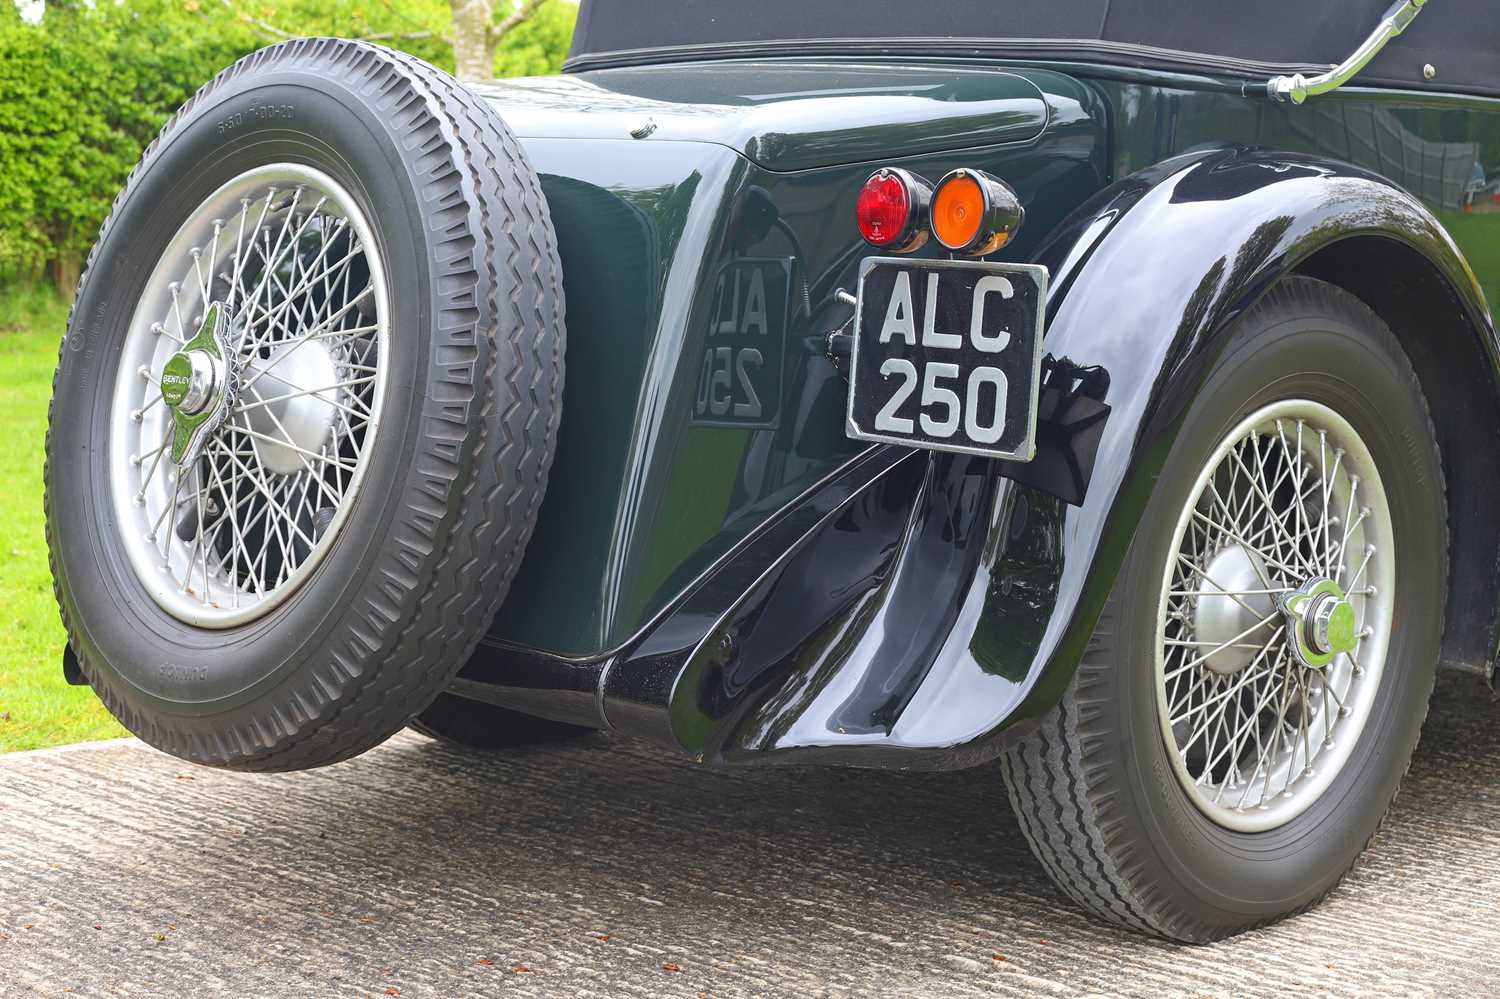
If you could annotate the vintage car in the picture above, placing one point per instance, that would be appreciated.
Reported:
(1098, 389)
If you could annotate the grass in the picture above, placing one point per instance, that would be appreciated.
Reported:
(37, 708)
(1475, 235)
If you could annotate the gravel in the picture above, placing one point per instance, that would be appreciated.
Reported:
(606, 867)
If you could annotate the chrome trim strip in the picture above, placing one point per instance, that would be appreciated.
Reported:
(1297, 88)
(970, 50)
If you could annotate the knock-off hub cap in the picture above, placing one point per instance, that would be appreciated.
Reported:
(1230, 609)
(1320, 622)
(194, 385)
(190, 379)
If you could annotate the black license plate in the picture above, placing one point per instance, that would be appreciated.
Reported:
(948, 355)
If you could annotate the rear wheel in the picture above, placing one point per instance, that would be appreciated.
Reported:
(1251, 698)
(305, 408)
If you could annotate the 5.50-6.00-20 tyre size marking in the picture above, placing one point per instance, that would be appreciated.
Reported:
(947, 355)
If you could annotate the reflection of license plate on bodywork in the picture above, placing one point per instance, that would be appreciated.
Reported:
(947, 355)
(740, 375)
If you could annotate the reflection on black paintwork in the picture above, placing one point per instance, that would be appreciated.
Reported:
(740, 379)
(1147, 310)
(1070, 418)
(811, 607)
(1022, 584)
(1388, 141)
(1444, 152)
(939, 553)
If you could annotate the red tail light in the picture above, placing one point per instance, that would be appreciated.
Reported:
(892, 210)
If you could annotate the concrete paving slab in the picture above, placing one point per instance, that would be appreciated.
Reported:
(606, 868)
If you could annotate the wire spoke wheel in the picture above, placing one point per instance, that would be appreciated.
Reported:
(1275, 615)
(1256, 682)
(249, 395)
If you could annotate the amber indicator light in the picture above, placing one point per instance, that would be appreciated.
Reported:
(973, 213)
(958, 213)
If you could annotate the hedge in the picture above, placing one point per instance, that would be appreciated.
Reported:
(86, 88)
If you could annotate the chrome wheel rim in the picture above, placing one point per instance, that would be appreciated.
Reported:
(1274, 616)
(248, 396)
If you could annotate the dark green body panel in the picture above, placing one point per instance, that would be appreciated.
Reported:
(645, 492)
(784, 115)
(755, 166)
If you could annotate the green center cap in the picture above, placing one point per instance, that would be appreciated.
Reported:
(176, 378)
(1321, 623)
(1340, 625)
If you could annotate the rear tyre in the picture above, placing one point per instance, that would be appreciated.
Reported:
(1254, 690)
(460, 721)
(305, 408)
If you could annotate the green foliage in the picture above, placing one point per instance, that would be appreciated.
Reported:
(87, 89)
(538, 46)
(25, 140)
(398, 23)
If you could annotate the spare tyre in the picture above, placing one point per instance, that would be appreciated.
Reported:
(305, 408)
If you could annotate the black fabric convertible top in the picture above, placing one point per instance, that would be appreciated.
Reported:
(1460, 38)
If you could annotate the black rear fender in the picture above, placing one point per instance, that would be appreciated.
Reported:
(1147, 278)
